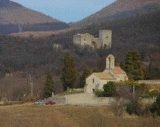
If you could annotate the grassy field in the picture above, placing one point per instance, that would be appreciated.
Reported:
(68, 116)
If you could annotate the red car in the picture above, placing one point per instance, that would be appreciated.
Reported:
(50, 103)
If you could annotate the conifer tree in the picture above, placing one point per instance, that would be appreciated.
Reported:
(133, 65)
(69, 72)
(86, 73)
(49, 85)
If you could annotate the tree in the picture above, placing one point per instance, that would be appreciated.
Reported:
(133, 66)
(86, 73)
(69, 72)
(109, 89)
(49, 85)
(101, 63)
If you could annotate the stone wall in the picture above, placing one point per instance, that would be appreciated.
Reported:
(88, 99)
(149, 81)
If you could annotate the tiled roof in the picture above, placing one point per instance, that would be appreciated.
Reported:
(118, 70)
(104, 76)
(107, 75)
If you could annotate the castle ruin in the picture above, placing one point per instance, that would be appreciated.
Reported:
(104, 40)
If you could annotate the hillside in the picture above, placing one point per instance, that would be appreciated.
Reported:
(120, 9)
(140, 33)
(16, 18)
(36, 56)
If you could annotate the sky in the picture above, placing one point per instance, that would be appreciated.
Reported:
(66, 10)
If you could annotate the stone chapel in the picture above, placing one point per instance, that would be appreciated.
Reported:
(112, 73)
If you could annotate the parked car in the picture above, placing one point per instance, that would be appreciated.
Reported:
(50, 103)
(38, 102)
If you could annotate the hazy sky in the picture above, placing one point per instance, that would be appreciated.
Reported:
(66, 10)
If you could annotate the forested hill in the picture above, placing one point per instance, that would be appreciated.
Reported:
(135, 33)
(25, 56)
(120, 9)
(16, 18)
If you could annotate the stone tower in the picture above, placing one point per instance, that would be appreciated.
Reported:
(110, 62)
(106, 36)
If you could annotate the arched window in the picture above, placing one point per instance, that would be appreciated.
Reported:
(105, 46)
(93, 81)
(109, 63)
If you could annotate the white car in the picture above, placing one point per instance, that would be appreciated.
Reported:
(38, 102)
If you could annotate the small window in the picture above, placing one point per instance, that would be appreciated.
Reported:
(93, 80)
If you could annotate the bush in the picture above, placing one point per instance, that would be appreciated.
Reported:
(118, 108)
(151, 94)
(155, 107)
(109, 89)
(133, 108)
(99, 93)
(158, 105)
(146, 111)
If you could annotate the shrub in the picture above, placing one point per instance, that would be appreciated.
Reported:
(118, 108)
(158, 105)
(146, 111)
(133, 108)
(155, 107)
(151, 94)
(99, 93)
(109, 89)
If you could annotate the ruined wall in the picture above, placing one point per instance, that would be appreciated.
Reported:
(98, 43)
(104, 40)
(77, 39)
(86, 39)
(83, 39)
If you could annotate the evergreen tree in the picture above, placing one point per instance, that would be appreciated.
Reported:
(86, 73)
(49, 85)
(69, 72)
(133, 65)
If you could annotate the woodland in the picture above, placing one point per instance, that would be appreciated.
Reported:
(36, 56)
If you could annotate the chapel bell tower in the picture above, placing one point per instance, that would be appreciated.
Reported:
(110, 62)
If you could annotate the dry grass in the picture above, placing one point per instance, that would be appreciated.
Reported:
(23, 16)
(68, 116)
(33, 116)
(41, 34)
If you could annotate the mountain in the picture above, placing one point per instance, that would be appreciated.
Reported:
(15, 18)
(120, 9)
